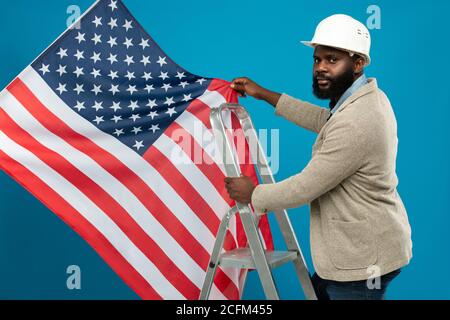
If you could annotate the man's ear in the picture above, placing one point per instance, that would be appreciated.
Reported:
(358, 65)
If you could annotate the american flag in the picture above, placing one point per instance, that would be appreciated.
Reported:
(90, 128)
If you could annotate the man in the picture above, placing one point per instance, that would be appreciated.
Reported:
(359, 226)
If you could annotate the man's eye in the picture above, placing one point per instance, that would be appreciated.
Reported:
(316, 61)
(333, 60)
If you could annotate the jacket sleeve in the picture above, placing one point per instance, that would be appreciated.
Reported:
(304, 114)
(342, 153)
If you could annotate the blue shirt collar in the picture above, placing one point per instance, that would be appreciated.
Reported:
(361, 81)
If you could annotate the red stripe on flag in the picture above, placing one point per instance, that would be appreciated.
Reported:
(201, 110)
(209, 168)
(76, 221)
(187, 192)
(105, 202)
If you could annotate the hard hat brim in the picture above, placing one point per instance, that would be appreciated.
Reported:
(313, 45)
(308, 44)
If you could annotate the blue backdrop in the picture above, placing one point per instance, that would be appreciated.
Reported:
(259, 39)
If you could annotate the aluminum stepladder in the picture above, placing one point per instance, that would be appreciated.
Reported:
(254, 256)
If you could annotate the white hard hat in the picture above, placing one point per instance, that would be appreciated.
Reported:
(342, 32)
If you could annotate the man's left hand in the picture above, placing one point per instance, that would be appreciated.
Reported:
(240, 189)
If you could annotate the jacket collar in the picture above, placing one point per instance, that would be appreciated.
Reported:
(370, 87)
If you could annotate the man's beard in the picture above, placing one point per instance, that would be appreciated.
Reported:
(337, 86)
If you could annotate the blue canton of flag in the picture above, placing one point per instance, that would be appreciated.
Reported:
(113, 74)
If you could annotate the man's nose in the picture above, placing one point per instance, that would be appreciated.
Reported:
(320, 68)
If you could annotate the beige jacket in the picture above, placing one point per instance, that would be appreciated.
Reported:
(358, 221)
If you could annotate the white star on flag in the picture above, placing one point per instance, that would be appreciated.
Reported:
(45, 68)
(97, 21)
(171, 111)
(162, 61)
(128, 25)
(154, 128)
(62, 53)
(138, 144)
(144, 43)
(79, 55)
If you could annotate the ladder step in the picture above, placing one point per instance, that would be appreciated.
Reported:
(242, 258)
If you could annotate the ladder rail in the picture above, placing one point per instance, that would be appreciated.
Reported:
(249, 221)
(215, 255)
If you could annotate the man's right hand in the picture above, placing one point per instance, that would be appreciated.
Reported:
(244, 86)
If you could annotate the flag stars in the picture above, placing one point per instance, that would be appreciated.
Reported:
(154, 128)
(145, 60)
(98, 120)
(80, 37)
(187, 97)
(171, 111)
(183, 84)
(151, 103)
(96, 57)
(130, 75)
(113, 75)
(163, 75)
(116, 119)
(162, 61)
(97, 38)
(62, 53)
(114, 89)
(95, 73)
(61, 70)
(45, 69)
(129, 60)
(112, 58)
(113, 23)
(118, 132)
(79, 106)
(115, 106)
(136, 130)
(79, 55)
(169, 101)
(180, 75)
(138, 145)
(61, 88)
(134, 117)
(147, 76)
(97, 106)
(133, 105)
(128, 42)
(149, 88)
(153, 114)
(96, 89)
(166, 86)
(200, 81)
(112, 41)
(128, 25)
(144, 44)
(78, 89)
(131, 89)
(97, 21)
(113, 5)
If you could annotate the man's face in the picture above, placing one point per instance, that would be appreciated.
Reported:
(333, 72)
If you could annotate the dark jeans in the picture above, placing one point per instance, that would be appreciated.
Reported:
(353, 290)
